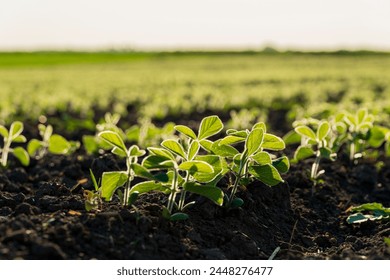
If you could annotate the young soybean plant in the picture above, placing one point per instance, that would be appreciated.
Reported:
(187, 170)
(358, 131)
(314, 144)
(53, 143)
(254, 162)
(111, 181)
(14, 135)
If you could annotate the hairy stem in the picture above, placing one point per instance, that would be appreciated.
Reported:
(5, 151)
(183, 193)
(172, 196)
(235, 186)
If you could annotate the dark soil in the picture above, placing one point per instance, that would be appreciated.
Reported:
(42, 216)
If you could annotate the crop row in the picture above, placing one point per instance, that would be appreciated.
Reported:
(195, 162)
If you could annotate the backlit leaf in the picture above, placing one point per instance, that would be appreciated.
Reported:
(186, 131)
(254, 141)
(58, 144)
(22, 155)
(267, 174)
(306, 131)
(195, 166)
(215, 194)
(209, 126)
(272, 142)
(113, 139)
(174, 147)
(111, 181)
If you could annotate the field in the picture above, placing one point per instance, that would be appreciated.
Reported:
(43, 204)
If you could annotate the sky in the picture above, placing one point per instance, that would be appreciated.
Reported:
(194, 24)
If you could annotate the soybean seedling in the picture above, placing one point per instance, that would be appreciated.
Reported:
(254, 162)
(358, 128)
(53, 143)
(368, 211)
(14, 135)
(92, 198)
(314, 144)
(111, 181)
(187, 170)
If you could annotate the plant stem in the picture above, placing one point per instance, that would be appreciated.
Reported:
(172, 196)
(235, 186)
(314, 167)
(352, 151)
(5, 151)
(183, 193)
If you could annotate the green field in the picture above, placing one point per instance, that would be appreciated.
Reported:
(162, 84)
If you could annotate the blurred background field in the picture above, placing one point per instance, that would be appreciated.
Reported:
(245, 85)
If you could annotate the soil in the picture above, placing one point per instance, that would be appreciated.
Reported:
(42, 216)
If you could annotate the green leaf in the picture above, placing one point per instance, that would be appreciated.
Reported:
(262, 158)
(94, 182)
(118, 152)
(361, 115)
(219, 165)
(327, 153)
(58, 145)
(303, 152)
(16, 129)
(272, 142)
(223, 150)
(20, 139)
(260, 125)
(237, 133)
(178, 217)
(267, 174)
(323, 130)
(3, 131)
(209, 126)
(132, 198)
(282, 164)
(186, 131)
(206, 144)
(215, 194)
(135, 151)
(157, 162)
(387, 241)
(22, 155)
(33, 146)
(141, 171)
(193, 150)
(195, 166)
(377, 136)
(231, 139)
(174, 147)
(357, 218)
(161, 152)
(306, 131)
(113, 139)
(90, 144)
(292, 137)
(237, 203)
(371, 207)
(111, 181)
(254, 141)
(149, 186)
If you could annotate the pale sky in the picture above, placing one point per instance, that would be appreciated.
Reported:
(161, 24)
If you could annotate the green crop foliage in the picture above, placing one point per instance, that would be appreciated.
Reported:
(93, 198)
(314, 144)
(188, 171)
(254, 162)
(52, 143)
(358, 126)
(369, 211)
(13, 135)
